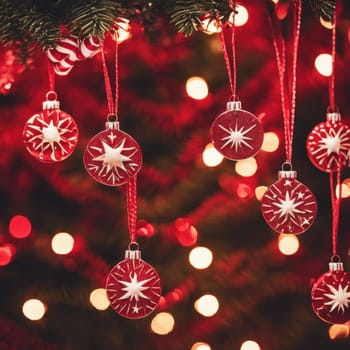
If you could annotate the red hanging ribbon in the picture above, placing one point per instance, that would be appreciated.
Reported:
(334, 178)
(51, 74)
(131, 206)
(287, 78)
(131, 188)
(232, 73)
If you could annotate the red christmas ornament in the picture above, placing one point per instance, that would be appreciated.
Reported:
(288, 206)
(51, 135)
(236, 133)
(330, 295)
(112, 157)
(133, 286)
(328, 144)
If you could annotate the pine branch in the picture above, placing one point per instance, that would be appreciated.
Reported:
(92, 17)
(186, 15)
(324, 9)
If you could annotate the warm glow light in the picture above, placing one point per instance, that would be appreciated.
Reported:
(345, 190)
(162, 323)
(323, 64)
(98, 299)
(241, 16)
(200, 257)
(211, 26)
(62, 243)
(20, 226)
(259, 192)
(275, 1)
(207, 305)
(34, 309)
(123, 31)
(6, 253)
(200, 346)
(250, 345)
(326, 24)
(211, 157)
(288, 244)
(197, 88)
(338, 331)
(246, 167)
(270, 143)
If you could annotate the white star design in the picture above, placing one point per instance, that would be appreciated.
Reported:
(113, 157)
(50, 133)
(237, 137)
(288, 206)
(134, 288)
(340, 298)
(301, 195)
(332, 144)
(287, 183)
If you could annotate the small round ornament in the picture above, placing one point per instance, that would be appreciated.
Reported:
(328, 144)
(236, 133)
(133, 286)
(112, 156)
(288, 206)
(330, 295)
(51, 135)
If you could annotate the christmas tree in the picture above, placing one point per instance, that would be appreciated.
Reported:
(263, 295)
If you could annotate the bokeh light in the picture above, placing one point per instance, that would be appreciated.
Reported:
(345, 190)
(323, 64)
(326, 24)
(250, 345)
(197, 88)
(200, 346)
(260, 191)
(200, 257)
(163, 323)
(288, 244)
(7, 252)
(144, 228)
(246, 167)
(271, 142)
(123, 31)
(336, 331)
(211, 26)
(207, 305)
(99, 300)
(185, 233)
(240, 17)
(34, 309)
(20, 226)
(62, 243)
(211, 157)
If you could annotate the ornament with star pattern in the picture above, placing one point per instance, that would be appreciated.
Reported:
(51, 135)
(133, 286)
(112, 156)
(237, 134)
(330, 295)
(288, 206)
(328, 144)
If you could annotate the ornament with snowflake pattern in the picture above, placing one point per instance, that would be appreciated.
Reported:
(112, 157)
(328, 144)
(51, 135)
(330, 295)
(288, 206)
(133, 286)
(236, 133)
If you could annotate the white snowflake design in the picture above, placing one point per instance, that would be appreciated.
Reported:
(45, 136)
(339, 298)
